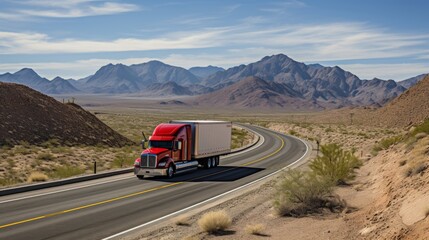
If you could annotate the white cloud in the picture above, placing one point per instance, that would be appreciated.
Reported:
(67, 9)
(323, 42)
(34, 43)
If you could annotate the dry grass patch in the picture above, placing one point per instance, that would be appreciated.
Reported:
(191, 238)
(255, 229)
(212, 222)
(182, 221)
(37, 177)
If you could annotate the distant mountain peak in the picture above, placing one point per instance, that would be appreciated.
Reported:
(27, 72)
(58, 78)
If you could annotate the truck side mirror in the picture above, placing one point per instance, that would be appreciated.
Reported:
(143, 144)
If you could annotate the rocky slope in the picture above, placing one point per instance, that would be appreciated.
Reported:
(254, 92)
(30, 116)
(204, 72)
(412, 107)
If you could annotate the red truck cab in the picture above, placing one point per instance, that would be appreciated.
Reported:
(168, 146)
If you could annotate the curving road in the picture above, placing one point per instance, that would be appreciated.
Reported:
(100, 209)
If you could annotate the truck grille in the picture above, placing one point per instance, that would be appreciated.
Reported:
(148, 161)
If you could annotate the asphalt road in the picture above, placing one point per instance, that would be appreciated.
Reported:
(98, 210)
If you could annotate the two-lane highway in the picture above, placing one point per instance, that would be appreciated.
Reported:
(102, 210)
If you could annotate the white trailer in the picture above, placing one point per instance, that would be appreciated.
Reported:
(211, 138)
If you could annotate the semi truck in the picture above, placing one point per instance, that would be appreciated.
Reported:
(181, 146)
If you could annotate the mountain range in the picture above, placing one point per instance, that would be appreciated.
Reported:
(274, 81)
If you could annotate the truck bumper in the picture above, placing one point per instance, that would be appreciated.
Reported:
(153, 172)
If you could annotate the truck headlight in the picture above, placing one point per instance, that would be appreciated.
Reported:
(137, 162)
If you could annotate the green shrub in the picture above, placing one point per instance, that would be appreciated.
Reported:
(122, 160)
(385, 144)
(45, 156)
(422, 128)
(302, 192)
(335, 164)
(66, 171)
(293, 132)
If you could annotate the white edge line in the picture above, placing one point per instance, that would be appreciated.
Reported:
(64, 190)
(213, 198)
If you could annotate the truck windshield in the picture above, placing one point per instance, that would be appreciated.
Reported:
(161, 144)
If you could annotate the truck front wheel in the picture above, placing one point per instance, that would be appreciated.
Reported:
(170, 171)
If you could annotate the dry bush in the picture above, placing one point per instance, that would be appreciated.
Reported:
(212, 222)
(45, 156)
(37, 177)
(255, 229)
(420, 168)
(181, 221)
(300, 193)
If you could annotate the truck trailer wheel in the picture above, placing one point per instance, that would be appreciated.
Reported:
(217, 160)
(170, 171)
(209, 162)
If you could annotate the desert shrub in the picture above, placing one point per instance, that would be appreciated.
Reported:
(45, 156)
(408, 172)
(419, 168)
(422, 128)
(238, 137)
(122, 160)
(335, 164)
(51, 143)
(66, 171)
(22, 150)
(255, 229)
(293, 132)
(212, 222)
(301, 192)
(402, 162)
(387, 142)
(181, 221)
(37, 177)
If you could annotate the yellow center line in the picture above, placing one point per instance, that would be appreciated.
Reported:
(90, 205)
(138, 193)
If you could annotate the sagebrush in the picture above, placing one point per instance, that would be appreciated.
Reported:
(302, 192)
(335, 164)
(212, 222)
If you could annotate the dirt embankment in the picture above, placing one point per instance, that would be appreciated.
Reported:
(29, 116)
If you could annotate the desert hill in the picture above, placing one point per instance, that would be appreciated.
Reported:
(30, 116)
(410, 108)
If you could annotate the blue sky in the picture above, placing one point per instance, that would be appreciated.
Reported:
(74, 38)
